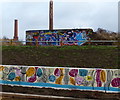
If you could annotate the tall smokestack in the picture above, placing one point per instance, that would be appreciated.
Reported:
(51, 15)
(16, 29)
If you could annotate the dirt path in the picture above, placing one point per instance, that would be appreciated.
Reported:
(10, 96)
(62, 93)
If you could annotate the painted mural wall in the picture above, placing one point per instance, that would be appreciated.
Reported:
(106, 80)
(58, 37)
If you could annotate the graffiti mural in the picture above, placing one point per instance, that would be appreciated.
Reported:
(60, 77)
(58, 37)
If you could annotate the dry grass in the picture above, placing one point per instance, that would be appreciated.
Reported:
(102, 34)
(107, 36)
(9, 42)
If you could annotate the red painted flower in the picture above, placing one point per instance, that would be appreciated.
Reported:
(73, 72)
(115, 82)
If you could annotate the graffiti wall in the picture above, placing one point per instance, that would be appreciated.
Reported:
(59, 77)
(58, 37)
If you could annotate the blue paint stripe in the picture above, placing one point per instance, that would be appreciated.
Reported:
(60, 86)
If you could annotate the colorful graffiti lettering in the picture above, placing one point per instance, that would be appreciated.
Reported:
(58, 37)
(80, 78)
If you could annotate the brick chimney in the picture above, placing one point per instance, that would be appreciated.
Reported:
(51, 15)
(15, 30)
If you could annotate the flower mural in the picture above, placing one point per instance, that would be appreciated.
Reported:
(61, 77)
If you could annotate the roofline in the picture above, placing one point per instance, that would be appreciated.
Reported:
(62, 29)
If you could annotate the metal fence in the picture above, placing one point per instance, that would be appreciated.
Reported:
(60, 43)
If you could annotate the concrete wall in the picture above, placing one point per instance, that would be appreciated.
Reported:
(58, 35)
(106, 80)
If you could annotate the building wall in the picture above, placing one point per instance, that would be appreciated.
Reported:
(58, 37)
(61, 77)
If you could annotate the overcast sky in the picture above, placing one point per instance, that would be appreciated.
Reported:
(67, 14)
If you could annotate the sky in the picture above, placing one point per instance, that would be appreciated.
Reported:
(68, 14)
